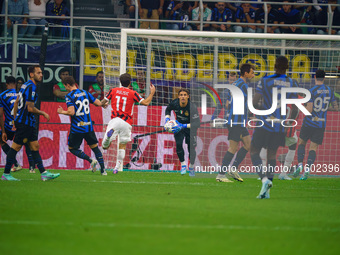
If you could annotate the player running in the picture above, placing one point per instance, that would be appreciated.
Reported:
(313, 127)
(188, 121)
(78, 107)
(271, 135)
(237, 129)
(122, 102)
(25, 124)
(7, 99)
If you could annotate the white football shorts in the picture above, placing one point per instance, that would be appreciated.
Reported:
(121, 128)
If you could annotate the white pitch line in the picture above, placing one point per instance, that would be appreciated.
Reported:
(178, 183)
(172, 226)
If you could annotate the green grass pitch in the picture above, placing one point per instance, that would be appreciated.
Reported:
(164, 213)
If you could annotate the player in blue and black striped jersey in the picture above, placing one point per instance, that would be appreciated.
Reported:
(7, 99)
(25, 125)
(237, 128)
(313, 127)
(78, 107)
(272, 134)
(224, 98)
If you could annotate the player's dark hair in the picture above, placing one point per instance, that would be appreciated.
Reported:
(281, 64)
(245, 68)
(20, 79)
(10, 79)
(63, 70)
(69, 80)
(185, 90)
(100, 72)
(31, 69)
(320, 75)
(125, 79)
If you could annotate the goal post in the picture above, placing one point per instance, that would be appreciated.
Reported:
(203, 62)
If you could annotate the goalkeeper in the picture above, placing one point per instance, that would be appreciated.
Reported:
(188, 121)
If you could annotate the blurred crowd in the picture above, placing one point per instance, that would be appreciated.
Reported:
(35, 12)
(283, 17)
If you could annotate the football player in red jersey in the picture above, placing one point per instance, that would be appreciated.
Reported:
(122, 102)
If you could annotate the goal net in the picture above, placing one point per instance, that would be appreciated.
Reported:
(204, 63)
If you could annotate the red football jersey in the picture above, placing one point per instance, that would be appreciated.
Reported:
(122, 102)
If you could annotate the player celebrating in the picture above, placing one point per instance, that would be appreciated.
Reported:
(271, 135)
(313, 127)
(78, 107)
(238, 131)
(122, 102)
(188, 121)
(24, 111)
(7, 99)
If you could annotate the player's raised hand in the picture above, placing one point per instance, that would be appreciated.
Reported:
(60, 109)
(152, 88)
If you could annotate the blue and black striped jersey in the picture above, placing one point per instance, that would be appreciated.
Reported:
(239, 120)
(7, 99)
(321, 97)
(81, 120)
(265, 88)
(27, 93)
(224, 98)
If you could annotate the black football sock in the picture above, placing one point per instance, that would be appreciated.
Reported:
(80, 154)
(99, 157)
(10, 160)
(38, 161)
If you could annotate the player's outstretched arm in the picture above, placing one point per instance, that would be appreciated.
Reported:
(60, 94)
(32, 109)
(103, 103)
(148, 100)
(70, 110)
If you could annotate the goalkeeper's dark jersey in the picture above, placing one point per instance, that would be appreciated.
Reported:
(184, 115)
(81, 121)
(321, 97)
(27, 93)
(7, 99)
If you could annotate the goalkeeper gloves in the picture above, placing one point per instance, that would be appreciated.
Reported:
(166, 121)
(178, 128)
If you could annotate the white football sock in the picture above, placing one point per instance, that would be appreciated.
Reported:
(288, 161)
(263, 156)
(120, 158)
